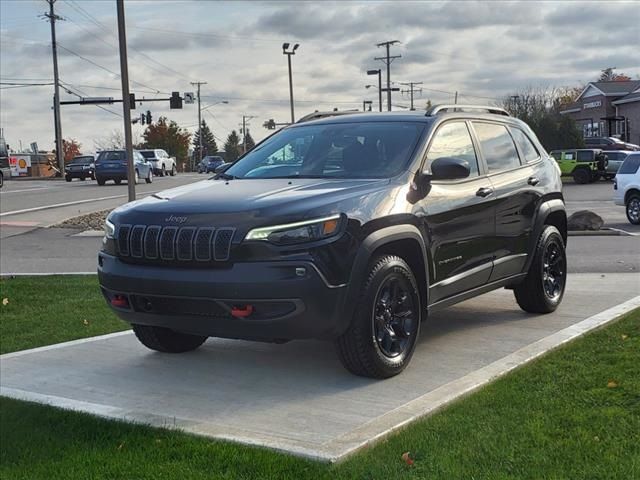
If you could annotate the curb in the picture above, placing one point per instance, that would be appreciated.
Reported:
(605, 232)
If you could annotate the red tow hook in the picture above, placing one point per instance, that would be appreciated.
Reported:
(241, 312)
(120, 301)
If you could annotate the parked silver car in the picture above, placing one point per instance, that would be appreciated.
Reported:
(615, 157)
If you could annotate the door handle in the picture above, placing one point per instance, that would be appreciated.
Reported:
(533, 181)
(484, 192)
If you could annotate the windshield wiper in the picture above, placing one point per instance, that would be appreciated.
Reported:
(225, 176)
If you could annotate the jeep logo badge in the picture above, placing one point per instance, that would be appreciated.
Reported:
(178, 220)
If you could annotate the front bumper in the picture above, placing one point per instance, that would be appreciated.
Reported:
(79, 174)
(291, 300)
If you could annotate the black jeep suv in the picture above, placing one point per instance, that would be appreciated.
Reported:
(350, 229)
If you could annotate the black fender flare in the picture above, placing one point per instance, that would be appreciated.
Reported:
(545, 209)
(368, 247)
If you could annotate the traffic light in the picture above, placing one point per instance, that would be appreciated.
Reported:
(132, 101)
(142, 118)
(270, 124)
(148, 117)
(175, 101)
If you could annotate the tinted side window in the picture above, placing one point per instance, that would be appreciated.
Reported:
(585, 156)
(528, 149)
(630, 165)
(591, 141)
(497, 146)
(453, 140)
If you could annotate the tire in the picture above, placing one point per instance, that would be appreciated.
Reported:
(100, 181)
(163, 172)
(581, 176)
(381, 337)
(83, 178)
(538, 293)
(166, 340)
(149, 178)
(1, 180)
(173, 171)
(609, 177)
(136, 177)
(595, 177)
(117, 181)
(633, 209)
(67, 178)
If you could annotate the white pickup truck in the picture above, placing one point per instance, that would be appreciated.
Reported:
(161, 162)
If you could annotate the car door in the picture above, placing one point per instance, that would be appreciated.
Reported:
(516, 193)
(457, 216)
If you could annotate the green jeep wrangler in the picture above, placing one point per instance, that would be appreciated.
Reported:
(584, 165)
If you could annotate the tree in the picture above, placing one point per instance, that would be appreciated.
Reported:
(540, 109)
(232, 147)
(608, 75)
(71, 148)
(209, 145)
(113, 141)
(249, 142)
(167, 135)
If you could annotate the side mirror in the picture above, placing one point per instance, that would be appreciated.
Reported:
(449, 168)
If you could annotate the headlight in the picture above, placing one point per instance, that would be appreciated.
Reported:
(299, 232)
(109, 229)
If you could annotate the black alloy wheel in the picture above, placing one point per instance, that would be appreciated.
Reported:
(394, 318)
(633, 209)
(554, 269)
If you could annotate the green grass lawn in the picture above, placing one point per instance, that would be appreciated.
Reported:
(574, 414)
(46, 310)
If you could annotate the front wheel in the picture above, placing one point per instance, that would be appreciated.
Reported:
(149, 178)
(100, 181)
(173, 171)
(166, 340)
(163, 172)
(543, 288)
(384, 329)
(67, 178)
(633, 209)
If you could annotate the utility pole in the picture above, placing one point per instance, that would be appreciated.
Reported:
(56, 82)
(245, 119)
(411, 86)
(126, 99)
(455, 101)
(199, 121)
(387, 60)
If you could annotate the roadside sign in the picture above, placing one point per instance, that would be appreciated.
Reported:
(19, 165)
(34, 148)
(189, 97)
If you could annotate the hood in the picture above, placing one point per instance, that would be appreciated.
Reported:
(250, 201)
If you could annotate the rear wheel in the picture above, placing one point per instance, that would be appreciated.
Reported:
(163, 172)
(166, 340)
(581, 176)
(117, 181)
(100, 181)
(384, 329)
(633, 209)
(83, 178)
(173, 170)
(1, 180)
(67, 178)
(543, 287)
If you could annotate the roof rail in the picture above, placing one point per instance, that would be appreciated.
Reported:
(453, 107)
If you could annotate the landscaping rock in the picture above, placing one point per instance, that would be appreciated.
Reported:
(89, 221)
(585, 220)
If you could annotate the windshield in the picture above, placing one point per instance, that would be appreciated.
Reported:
(111, 156)
(82, 160)
(148, 153)
(345, 150)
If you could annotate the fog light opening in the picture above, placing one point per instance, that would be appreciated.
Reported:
(120, 301)
(241, 311)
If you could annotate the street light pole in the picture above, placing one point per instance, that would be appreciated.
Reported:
(379, 73)
(288, 53)
(126, 104)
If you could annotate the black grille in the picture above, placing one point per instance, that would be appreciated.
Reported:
(182, 244)
(135, 243)
(222, 244)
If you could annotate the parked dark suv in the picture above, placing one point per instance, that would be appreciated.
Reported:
(351, 229)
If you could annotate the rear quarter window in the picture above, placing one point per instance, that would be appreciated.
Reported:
(630, 165)
(526, 146)
(585, 156)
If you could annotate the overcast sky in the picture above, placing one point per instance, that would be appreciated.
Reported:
(484, 49)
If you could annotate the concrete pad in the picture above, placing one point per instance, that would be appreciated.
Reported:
(297, 397)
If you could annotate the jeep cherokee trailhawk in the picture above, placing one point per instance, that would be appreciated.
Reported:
(349, 228)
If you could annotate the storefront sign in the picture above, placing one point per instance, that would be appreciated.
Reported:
(596, 104)
(19, 165)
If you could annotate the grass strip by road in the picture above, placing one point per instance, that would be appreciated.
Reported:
(37, 311)
(575, 413)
